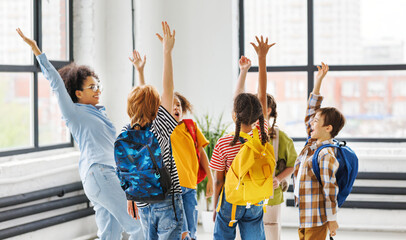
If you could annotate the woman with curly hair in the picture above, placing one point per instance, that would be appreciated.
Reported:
(77, 89)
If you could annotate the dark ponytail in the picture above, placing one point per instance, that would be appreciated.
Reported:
(237, 132)
(264, 137)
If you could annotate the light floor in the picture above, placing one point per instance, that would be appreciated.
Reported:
(291, 234)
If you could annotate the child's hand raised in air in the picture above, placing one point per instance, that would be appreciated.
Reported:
(245, 64)
(139, 65)
(137, 61)
(168, 38)
(263, 47)
(322, 71)
(168, 41)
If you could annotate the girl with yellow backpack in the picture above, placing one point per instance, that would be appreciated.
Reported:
(285, 157)
(244, 164)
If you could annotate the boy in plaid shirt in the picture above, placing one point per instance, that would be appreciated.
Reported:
(318, 202)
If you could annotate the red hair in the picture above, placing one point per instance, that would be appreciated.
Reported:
(142, 104)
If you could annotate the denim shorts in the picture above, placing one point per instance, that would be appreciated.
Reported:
(159, 221)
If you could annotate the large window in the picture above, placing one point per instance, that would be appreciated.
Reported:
(30, 116)
(363, 47)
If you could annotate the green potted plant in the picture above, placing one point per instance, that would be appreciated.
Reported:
(212, 130)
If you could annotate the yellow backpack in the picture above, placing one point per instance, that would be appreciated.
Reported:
(249, 179)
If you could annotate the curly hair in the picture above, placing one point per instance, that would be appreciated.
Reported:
(73, 76)
(248, 110)
(186, 106)
(274, 114)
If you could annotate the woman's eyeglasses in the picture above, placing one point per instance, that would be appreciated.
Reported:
(94, 87)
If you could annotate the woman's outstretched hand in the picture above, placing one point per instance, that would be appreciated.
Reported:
(32, 43)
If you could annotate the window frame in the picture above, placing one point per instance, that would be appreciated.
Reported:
(35, 70)
(311, 68)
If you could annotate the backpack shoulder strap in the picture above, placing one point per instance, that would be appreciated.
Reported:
(246, 135)
(254, 143)
(275, 143)
(190, 126)
(243, 136)
(255, 133)
(307, 140)
(315, 160)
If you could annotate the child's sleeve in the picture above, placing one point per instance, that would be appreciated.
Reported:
(201, 139)
(164, 123)
(328, 169)
(218, 160)
(313, 104)
(286, 149)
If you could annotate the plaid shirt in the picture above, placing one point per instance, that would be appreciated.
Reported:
(317, 202)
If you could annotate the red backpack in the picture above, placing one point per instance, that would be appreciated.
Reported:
(190, 125)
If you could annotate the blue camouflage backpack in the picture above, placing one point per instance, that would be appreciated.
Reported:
(347, 170)
(140, 167)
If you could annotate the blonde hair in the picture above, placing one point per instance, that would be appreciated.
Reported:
(142, 104)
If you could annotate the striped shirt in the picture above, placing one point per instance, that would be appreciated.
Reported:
(224, 154)
(317, 202)
(162, 127)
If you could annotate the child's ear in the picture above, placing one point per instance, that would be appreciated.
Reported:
(234, 116)
(78, 94)
(329, 128)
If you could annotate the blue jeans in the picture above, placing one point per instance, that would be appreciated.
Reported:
(249, 221)
(103, 189)
(158, 219)
(189, 198)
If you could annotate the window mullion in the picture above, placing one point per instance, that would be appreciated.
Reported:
(241, 30)
(35, 110)
(38, 23)
(70, 22)
(310, 46)
(37, 37)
